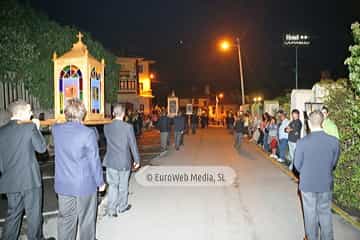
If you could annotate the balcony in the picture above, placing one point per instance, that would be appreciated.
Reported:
(127, 87)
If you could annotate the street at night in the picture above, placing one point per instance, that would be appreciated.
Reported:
(179, 120)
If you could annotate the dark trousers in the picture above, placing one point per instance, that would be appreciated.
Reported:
(77, 211)
(177, 137)
(31, 201)
(283, 145)
(237, 136)
(317, 213)
(193, 128)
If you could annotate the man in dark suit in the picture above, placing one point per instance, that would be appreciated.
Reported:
(121, 144)
(238, 130)
(316, 156)
(78, 174)
(179, 127)
(20, 173)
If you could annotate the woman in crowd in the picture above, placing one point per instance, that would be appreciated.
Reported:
(272, 139)
(265, 125)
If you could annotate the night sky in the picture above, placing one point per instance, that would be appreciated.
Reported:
(182, 36)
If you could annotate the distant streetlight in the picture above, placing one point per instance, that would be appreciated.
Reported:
(152, 76)
(221, 95)
(226, 45)
(257, 99)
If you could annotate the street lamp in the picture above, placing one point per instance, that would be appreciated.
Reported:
(225, 45)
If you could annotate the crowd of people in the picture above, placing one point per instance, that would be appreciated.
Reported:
(79, 170)
(277, 134)
(312, 155)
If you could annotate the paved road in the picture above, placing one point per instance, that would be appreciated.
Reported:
(262, 204)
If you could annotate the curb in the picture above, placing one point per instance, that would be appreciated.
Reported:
(335, 208)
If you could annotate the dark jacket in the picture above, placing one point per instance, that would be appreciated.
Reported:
(121, 144)
(179, 123)
(18, 164)
(163, 124)
(316, 156)
(194, 119)
(239, 126)
(295, 134)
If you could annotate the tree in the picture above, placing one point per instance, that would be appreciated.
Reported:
(27, 42)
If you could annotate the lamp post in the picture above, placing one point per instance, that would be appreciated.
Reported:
(241, 71)
(225, 45)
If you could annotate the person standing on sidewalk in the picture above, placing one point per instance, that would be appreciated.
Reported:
(179, 127)
(238, 130)
(78, 174)
(121, 145)
(283, 136)
(164, 126)
(20, 176)
(328, 125)
(294, 134)
(316, 156)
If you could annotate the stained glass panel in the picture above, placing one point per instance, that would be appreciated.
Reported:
(70, 84)
(95, 79)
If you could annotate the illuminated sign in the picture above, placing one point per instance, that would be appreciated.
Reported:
(296, 40)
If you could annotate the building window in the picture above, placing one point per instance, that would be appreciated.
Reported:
(140, 68)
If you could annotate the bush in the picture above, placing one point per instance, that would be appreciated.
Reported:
(344, 103)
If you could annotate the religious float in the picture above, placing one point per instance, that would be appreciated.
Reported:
(77, 74)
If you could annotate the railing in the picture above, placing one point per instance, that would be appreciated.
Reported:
(128, 86)
(10, 91)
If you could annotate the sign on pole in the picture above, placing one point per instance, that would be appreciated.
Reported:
(296, 39)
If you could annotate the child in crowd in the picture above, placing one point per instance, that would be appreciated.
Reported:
(272, 139)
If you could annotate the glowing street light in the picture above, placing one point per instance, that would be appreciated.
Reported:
(221, 95)
(152, 76)
(257, 99)
(226, 45)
